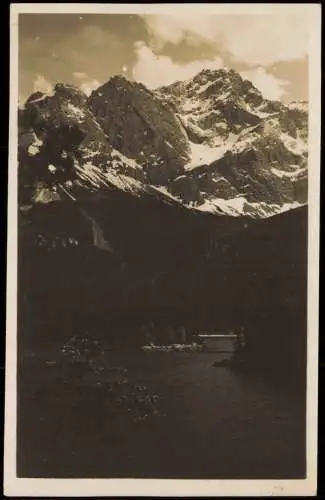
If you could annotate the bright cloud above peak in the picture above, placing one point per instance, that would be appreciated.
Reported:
(86, 83)
(270, 86)
(80, 75)
(253, 39)
(89, 85)
(157, 70)
(40, 84)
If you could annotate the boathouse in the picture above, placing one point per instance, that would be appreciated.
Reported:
(218, 342)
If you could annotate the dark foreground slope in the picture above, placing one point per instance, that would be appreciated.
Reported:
(169, 267)
(192, 271)
(275, 298)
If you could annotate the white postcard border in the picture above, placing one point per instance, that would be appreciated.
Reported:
(25, 487)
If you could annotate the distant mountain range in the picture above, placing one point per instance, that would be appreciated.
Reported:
(212, 143)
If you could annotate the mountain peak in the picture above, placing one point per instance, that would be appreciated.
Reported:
(66, 87)
(36, 97)
(116, 82)
(119, 78)
(213, 82)
(216, 73)
(68, 91)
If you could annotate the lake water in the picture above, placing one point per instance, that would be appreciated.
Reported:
(217, 424)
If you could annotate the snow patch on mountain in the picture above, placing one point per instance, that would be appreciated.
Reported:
(34, 148)
(96, 177)
(165, 192)
(233, 206)
(121, 159)
(296, 146)
(296, 171)
(240, 206)
(260, 114)
(204, 154)
(300, 105)
(44, 195)
(75, 112)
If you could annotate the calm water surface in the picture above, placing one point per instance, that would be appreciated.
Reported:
(217, 424)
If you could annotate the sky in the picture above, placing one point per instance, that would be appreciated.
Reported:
(87, 49)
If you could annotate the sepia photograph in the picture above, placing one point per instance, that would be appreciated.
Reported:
(163, 232)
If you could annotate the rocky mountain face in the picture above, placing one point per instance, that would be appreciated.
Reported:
(62, 144)
(142, 127)
(212, 143)
(249, 154)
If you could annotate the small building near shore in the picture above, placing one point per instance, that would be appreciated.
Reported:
(218, 342)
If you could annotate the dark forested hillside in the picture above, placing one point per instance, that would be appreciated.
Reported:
(193, 270)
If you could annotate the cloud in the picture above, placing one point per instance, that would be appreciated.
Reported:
(253, 39)
(40, 84)
(157, 70)
(79, 75)
(86, 84)
(90, 85)
(164, 29)
(21, 102)
(88, 45)
(270, 86)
